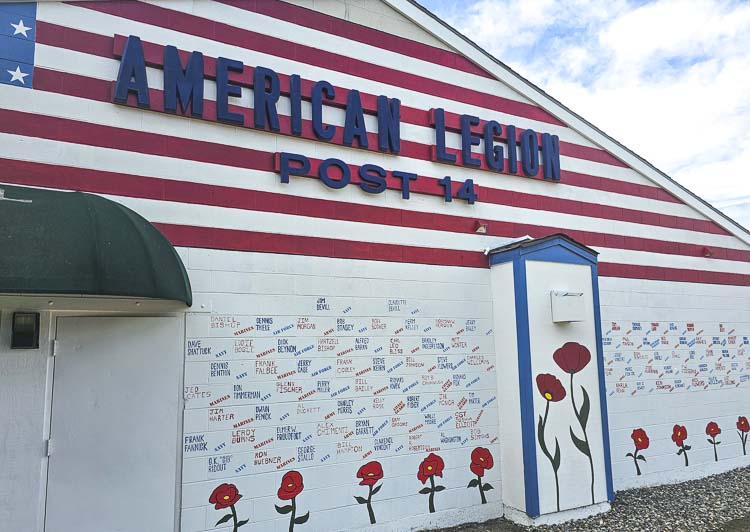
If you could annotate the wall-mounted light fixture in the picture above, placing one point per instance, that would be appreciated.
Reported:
(708, 252)
(25, 333)
(480, 227)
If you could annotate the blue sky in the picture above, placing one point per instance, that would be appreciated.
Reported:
(670, 79)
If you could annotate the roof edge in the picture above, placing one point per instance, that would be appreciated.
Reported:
(426, 20)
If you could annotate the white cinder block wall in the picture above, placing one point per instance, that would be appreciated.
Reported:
(649, 385)
(400, 362)
(689, 364)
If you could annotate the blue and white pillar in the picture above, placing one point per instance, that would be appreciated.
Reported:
(553, 413)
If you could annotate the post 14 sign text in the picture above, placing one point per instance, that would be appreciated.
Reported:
(500, 148)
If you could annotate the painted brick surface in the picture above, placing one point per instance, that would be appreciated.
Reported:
(321, 373)
(675, 354)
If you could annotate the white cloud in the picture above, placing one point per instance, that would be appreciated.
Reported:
(670, 79)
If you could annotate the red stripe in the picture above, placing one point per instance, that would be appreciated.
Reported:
(316, 20)
(60, 36)
(250, 40)
(236, 240)
(119, 184)
(98, 135)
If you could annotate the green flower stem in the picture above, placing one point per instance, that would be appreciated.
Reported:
(549, 457)
(713, 442)
(481, 490)
(294, 513)
(684, 451)
(585, 436)
(635, 461)
(234, 517)
(432, 494)
(369, 506)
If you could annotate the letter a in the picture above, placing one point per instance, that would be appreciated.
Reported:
(132, 74)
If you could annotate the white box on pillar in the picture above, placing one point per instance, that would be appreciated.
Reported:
(567, 306)
(553, 415)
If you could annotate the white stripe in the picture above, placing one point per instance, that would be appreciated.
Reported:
(68, 107)
(243, 19)
(105, 159)
(108, 25)
(286, 224)
(106, 69)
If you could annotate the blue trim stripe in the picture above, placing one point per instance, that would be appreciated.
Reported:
(602, 384)
(24, 9)
(526, 389)
(557, 250)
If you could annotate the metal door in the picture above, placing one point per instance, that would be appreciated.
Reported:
(114, 435)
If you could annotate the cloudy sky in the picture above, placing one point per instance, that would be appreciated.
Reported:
(670, 79)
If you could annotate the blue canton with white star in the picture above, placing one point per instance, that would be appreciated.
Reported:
(17, 38)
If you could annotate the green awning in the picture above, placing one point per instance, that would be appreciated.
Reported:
(75, 243)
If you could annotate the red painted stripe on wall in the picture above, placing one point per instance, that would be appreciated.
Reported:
(250, 40)
(150, 143)
(69, 38)
(122, 184)
(90, 43)
(235, 240)
(316, 20)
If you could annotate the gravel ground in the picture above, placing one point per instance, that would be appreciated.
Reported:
(720, 503)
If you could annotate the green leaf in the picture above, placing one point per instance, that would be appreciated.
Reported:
(439, 488)
(425, 491)
(241, 523)
(580, 444)
(283, 509)
(376, 489)
(302, 520)
(687, 447)
(629, 455)
(473, 483)
(556, 459)
(718, 443)
(641, 457)
(540, 437)
(223, 519)
(679, 452)
(487, 487)
(709, 440)
(585, 407)
(360, 500)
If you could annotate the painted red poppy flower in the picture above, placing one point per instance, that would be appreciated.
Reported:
(550, 387)
(742, 424)
(370, 473)
(640, 438)
(224, 496)
(712, 429)
(679, 434)
(291, 485)
(432, 465)
(572, 357)
(481, 460)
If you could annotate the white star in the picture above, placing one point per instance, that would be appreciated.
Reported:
(20, 28)
(17, 75)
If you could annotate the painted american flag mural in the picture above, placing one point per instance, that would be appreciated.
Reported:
(17, 34)
(641, 230)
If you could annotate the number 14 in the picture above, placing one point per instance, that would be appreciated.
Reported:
(466, 191)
